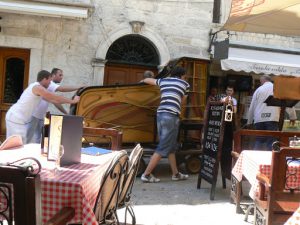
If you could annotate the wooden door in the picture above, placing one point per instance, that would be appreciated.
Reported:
(118, 74)
(14, 69)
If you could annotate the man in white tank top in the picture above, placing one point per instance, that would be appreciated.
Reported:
(19, 115)
(38, 115)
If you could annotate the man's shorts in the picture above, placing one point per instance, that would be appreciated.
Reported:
(167, 127)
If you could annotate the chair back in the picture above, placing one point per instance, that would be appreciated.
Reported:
(107, 198)
(134, 160)
(109, 136)
(18, 183)
(12, 142)
(284, 173)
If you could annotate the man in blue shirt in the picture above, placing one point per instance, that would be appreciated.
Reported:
(173, 92)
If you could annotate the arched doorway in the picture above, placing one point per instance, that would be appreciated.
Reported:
(127, 59)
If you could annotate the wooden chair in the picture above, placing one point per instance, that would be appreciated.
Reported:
(105, 208)
(236, 187)
(110, 136)
(125, 194)
(277, 201)
(20, 195)
(12, 142)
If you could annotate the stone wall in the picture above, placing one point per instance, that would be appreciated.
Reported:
(176, 28)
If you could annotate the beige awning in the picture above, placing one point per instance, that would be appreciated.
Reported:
(280, 17)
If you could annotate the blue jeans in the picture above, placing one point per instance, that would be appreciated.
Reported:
(263, 142)
(167, 127)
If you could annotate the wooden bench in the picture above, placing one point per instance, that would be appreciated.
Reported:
(277, 200)
(238, 146)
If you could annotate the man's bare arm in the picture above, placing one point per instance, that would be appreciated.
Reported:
(68, 88)
(53, 98)
(61, 108)
(151, 81)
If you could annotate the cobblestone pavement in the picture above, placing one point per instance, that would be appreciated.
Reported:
(180, 202)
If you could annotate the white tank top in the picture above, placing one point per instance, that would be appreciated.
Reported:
(41, 109)
(21, 111)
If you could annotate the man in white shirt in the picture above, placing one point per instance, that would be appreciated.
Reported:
(38, 115)
(264, 117)
(18, 117)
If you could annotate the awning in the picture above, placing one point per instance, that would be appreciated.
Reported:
(43, 9)
(258, 59)
(280, 17)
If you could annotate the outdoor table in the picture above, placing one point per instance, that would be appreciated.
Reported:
(250, 163)
(295, 218)
(75, 186)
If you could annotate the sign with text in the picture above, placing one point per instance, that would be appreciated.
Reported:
(212, 143)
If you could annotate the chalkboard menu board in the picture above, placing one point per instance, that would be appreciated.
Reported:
(212, 143)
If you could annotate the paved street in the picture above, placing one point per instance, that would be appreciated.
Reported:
(176, 203)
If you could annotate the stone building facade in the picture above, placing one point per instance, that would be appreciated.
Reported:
(79, 46)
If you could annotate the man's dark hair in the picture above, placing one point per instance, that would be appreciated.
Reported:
(230, 86)
(178, 71)
(54, 70)
(43, 74)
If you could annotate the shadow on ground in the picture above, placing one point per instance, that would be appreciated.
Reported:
(180, 202)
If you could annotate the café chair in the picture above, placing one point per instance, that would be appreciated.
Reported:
(107, 200)
(125, 194)
(109, 136)
(277, 199)
(20, 195)
(236, 193)
(12, 142)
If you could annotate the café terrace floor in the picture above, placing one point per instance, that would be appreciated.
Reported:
(181, 203)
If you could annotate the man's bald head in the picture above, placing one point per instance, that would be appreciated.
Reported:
(265, 78)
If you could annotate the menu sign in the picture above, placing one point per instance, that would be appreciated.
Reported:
(212, 143)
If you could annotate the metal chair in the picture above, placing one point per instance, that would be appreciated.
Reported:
(125, 194)
(108, 197)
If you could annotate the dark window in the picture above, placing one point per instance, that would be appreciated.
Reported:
(14, 79)
(133, 49)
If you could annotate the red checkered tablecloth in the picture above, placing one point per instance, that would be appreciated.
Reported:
(75, 186)
(250, 163)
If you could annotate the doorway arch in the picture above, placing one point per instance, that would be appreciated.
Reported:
(127, 59)
(100, 60)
